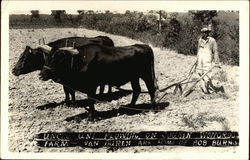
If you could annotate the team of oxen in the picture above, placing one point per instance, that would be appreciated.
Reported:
(83, 64)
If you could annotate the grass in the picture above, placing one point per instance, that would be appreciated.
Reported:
(201, 120)
(194, 122)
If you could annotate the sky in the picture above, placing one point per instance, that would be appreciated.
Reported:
(67, 11)
(40, 11)
(71, 7)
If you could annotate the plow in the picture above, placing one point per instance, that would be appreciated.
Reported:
(182, 87)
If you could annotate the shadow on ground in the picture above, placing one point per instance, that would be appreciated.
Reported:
(107, 97)
(124, 109)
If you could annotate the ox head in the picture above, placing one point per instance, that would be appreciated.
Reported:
(58, 63)
(87, 54)
(30, 60)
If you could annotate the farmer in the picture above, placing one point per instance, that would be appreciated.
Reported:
(207, 56)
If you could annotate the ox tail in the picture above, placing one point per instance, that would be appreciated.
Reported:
(152, 65)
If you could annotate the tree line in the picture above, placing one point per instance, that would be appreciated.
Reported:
(176, 30)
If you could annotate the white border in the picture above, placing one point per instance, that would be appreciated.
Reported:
(242, 6)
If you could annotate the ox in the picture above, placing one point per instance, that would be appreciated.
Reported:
(33, 59)
(86, 67)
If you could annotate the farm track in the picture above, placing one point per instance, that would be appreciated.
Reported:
(34, 105)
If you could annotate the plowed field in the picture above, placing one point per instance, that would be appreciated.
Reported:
(34, 105)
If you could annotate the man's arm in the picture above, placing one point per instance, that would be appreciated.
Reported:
(216, 53)
(198, 47)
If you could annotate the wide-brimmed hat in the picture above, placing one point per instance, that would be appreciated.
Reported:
(206, 28)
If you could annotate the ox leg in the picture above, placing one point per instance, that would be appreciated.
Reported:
(91, 95)
(101, 89)
(136, 90)
(110, 89)
(152, 89)
(66, 91)
(73, 98)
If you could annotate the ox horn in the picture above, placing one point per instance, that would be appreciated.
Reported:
(43, 41)
(66, 45)
(45, 48)
(70, 50)
(74, 45)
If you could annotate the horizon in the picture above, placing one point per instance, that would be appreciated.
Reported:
(28, 12)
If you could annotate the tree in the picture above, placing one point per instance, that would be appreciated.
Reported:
(80, 15)
(57, 14)
(205, 16)
(174, 27)
(90, 12)
(162, 15)
(34, 15)
(171, 32)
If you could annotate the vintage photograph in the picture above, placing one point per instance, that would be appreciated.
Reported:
(110, 80)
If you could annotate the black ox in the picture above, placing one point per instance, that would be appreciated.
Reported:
(33, 59)
(89, 66)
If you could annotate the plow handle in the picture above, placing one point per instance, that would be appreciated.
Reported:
(185, 93)
(192, 70)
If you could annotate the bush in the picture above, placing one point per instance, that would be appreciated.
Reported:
(180, 31)
(188, 36)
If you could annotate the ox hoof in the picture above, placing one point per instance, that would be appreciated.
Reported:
(91, 119)
(131, 105)
(155, 108)
(65, 103)
(92, 116)
(69, 103)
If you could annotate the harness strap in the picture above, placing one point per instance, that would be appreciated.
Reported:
(72, 61)
(47, 67)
